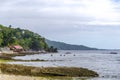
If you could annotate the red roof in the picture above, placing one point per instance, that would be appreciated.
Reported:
(17, 47)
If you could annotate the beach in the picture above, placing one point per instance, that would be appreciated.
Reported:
(15, 77)
(102, 62)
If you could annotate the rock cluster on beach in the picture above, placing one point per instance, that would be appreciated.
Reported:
(46, 71)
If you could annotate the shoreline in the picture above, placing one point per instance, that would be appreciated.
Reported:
(8, 56)
(36, 71)
(19, 77)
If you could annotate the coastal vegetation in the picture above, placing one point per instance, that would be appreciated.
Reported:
(46, 71)
(25, 38)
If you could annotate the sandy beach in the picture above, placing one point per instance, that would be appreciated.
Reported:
(18, 77)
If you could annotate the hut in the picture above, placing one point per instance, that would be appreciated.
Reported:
(16, 48)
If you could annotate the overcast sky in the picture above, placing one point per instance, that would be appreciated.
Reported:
(94, 23)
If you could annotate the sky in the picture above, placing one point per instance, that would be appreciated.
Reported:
(94, 23)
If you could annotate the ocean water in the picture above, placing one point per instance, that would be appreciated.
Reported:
(105, 64)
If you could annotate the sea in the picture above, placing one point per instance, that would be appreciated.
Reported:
(105, 62)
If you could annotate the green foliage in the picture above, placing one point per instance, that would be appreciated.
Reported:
(1, 38)
(52, 49)
(25, 38)
(35, 44)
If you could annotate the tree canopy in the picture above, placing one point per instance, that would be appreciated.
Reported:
(16, 36)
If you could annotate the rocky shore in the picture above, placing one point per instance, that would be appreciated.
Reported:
(41, 71)
(46, 71)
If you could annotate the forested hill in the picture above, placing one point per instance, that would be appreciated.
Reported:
(33, 41)
(64, 46)
(16, 36)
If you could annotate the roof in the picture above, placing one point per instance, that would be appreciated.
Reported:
(17, 47)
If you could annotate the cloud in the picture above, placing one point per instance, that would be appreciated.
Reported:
(72, 18)
(94, 10)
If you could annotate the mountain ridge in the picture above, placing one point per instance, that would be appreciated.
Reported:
(66, 46)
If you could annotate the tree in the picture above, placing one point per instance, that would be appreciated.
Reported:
(35, 45)
(10, 26)
(52, 49)
(1, 38)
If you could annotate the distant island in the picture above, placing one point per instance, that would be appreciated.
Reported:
(65, 46)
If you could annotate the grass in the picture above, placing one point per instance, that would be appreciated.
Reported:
(46, 71)
(3, 61)
(4, 57)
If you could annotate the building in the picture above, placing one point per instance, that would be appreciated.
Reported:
(16, 48)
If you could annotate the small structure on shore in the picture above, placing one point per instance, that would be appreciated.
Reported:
(16, 48)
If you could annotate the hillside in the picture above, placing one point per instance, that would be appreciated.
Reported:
(33, 41)
(16, 36)
(64, 46)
